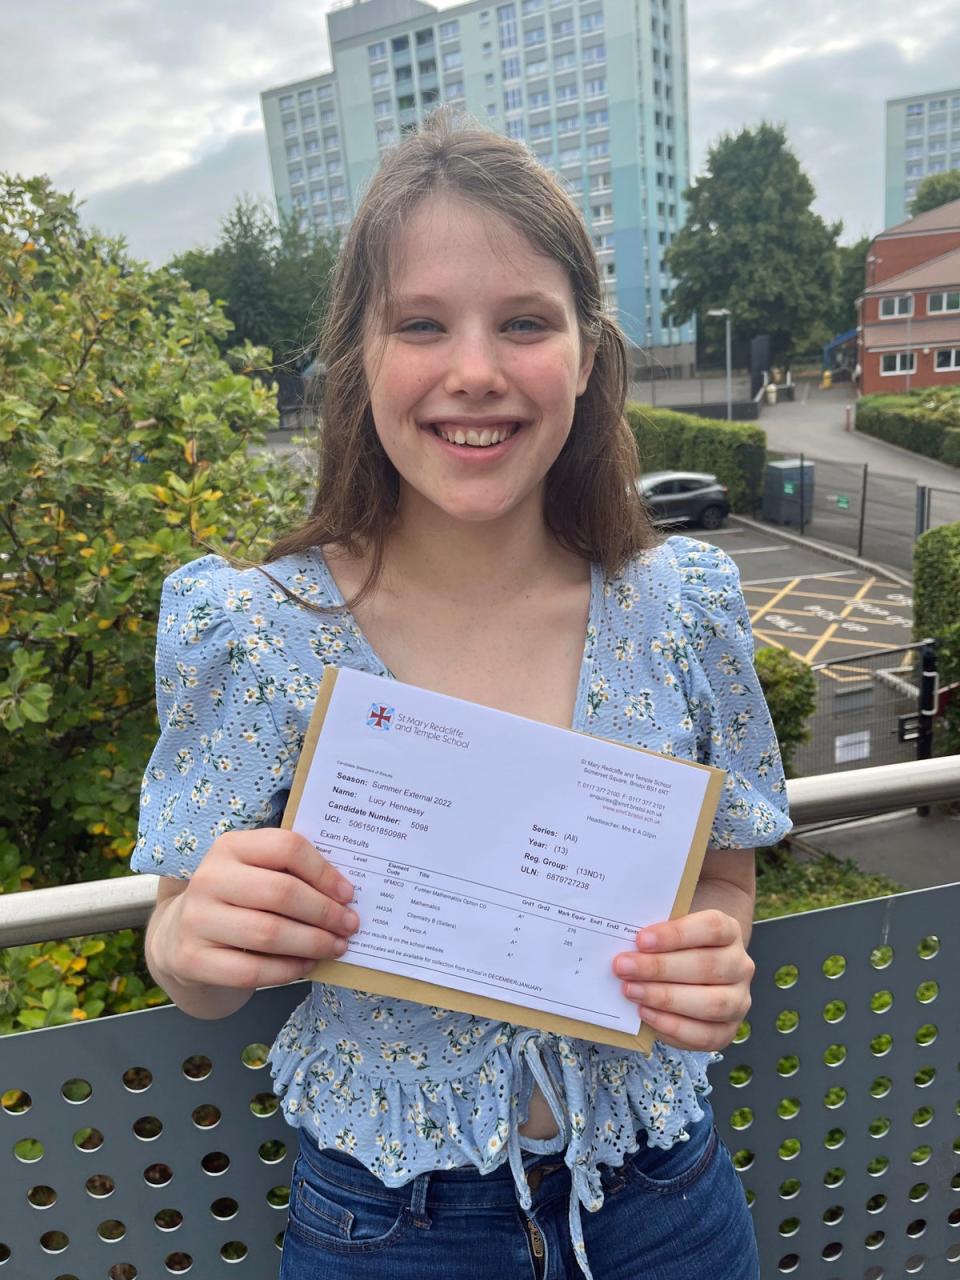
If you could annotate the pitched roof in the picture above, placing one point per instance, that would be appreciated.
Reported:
(945, 218)
(944, 270)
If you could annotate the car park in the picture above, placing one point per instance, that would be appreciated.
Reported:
(685, 497)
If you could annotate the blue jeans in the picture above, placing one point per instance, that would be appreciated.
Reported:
(667, 1215)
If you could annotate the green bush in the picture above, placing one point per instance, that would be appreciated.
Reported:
(924, 421)
(124, 449)
(936, 613)
(790, 688)
(735, 452)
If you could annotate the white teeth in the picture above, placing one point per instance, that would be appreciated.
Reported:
(477, 439)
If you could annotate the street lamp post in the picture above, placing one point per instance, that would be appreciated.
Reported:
(725, 312)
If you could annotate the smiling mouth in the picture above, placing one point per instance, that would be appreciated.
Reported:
(471, 438)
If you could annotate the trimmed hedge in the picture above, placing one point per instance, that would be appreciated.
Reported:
(925, 421)
(936, 612)
(735, 452)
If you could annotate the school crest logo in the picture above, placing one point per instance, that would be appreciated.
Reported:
(380, 717)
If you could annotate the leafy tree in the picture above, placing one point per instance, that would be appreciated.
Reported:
(753, 244)
(849, 283)
(272, 277)
(124, 448)
(790, 689)
(936, 189)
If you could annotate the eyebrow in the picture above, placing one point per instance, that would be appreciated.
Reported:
(522, 301)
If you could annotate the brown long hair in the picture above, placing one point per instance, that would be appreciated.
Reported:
(591, 504)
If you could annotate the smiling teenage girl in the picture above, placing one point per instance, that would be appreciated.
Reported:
(476, 508)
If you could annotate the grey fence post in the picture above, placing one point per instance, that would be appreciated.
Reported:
(863, 511)
(803, 497)
(923, 510)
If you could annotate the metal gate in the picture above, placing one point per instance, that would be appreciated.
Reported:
(868, 710)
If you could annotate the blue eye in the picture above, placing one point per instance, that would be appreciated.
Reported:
(530, 325)
(419, 326)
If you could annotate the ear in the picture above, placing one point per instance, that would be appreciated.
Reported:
(588, 351)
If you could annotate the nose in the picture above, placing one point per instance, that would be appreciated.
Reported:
(475, 370)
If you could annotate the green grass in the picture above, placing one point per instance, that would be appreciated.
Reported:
(786, 886)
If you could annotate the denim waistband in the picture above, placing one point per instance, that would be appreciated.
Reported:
(463, 1188)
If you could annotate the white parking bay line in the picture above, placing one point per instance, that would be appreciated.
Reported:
(802, 577)
(754, 551)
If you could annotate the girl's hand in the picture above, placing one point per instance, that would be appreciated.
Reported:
(690, 978)
(261, 909)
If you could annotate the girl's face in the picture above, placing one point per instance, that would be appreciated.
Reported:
(474, 371)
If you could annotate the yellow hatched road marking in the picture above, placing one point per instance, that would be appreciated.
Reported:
(831, 630)
(765, 608)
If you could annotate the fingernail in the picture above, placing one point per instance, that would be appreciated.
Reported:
(351, 920)
(345, 891)
(339, 947)
(622, 967)
(646, 940)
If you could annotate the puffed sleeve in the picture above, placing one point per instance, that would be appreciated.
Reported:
(734, 729)
(221, 762)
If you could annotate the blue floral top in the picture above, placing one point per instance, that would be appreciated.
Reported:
(402, 1087)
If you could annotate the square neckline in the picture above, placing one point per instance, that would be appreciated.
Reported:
(587, 656)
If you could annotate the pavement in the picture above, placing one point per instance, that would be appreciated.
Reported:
(913, 851)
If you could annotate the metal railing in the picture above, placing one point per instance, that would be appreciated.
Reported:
(149, 1143)
(41, 915)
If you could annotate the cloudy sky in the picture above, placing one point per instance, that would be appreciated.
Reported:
(149, 109)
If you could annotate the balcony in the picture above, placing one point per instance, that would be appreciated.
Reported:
(149, 1144)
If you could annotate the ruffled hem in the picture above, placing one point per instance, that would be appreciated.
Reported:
(398, 1128)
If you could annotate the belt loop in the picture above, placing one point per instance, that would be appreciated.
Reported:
(418, 1200)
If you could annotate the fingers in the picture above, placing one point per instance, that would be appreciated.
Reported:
(227, 967)
(272, 935)
(708, 967)
(275, 894)
(703, 1004)
(278, 850)
(700, 929)
(689, 1033)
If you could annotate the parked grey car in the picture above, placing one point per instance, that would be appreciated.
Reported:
(678, 497)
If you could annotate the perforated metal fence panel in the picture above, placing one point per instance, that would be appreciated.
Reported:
(843, 1104)
(144, 1145)
(148, 1145)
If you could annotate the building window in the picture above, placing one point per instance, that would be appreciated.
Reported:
(427, 67)
(513, 100)
(376, 51)
(938, 104)
(399, 43)
(542, 130)
(601, 212)
(598, 150)
(600, 182)
(286, 102)
(454, 89)
(595, 119)
(290, 128)
(564, 60)
(948, 359)
(381, 109)
(324, 92)
(534, 35)
(295, 174)
(914, 129)
(511, 69)
(595, 88)
(569, 124)
(914, 169)
(293, 150)
(452, 60)
(424, 37)
(563, 28)
(937, 166)
(566, 92)
(311, 146)
(305, 97)
(591, 22)
(449, 30)
(507, 25)
(515, 129)
(531, 6)
(379, 79)
(595, 53)
(915, 108)
(898, 362)
(940, 302)
(538, 67)
(308, 119)
(538, 98)
(569, 155)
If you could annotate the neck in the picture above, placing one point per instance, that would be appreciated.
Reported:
(461, 561)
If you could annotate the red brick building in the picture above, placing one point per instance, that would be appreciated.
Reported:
(909, 329)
